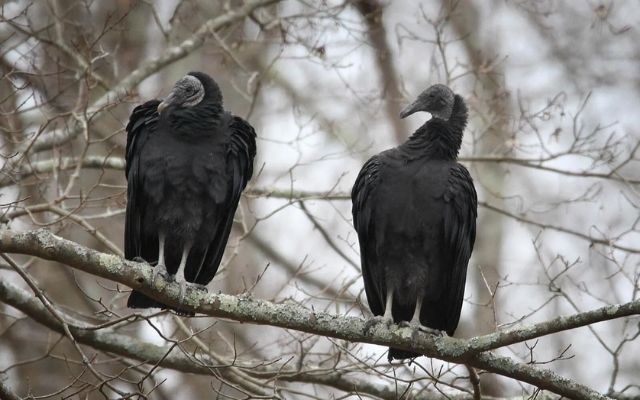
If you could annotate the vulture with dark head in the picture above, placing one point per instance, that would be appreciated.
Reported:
(187, 163)
(414, 208)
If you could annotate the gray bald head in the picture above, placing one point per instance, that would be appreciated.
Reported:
(437, 100)
(187, 92)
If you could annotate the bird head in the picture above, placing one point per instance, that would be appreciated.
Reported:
(190, 91)
(437, 100)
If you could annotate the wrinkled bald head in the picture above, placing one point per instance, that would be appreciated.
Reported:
(437, 100)
(193, 89)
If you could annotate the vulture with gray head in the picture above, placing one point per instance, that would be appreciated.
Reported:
(187, 163)
(414, 208)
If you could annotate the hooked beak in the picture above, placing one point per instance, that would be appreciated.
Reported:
(165, 103)
(410, 109)
(162, 106)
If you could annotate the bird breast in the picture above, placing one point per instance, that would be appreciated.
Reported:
(410, 201)
(196, 177)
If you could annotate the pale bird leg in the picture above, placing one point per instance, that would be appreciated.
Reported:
(388, 308)
(416, 314)
(415, 321)
(387, 318)
(160, 268)
(180, 274)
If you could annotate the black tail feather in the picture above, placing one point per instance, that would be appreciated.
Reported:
(139, 300)
(397, 354)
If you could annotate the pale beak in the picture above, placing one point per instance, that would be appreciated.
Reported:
(162, 106)
(166, 102)
(410, 109)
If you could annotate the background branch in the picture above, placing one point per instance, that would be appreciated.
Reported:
(244, 308)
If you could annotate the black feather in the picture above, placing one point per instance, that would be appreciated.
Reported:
(414, 208)
(186, 170)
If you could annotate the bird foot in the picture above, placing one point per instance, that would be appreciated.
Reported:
(418, 326)
(182, 292)
(139, 259)
(160, 270)
(378, 319)
(199, 287)
(184, 285)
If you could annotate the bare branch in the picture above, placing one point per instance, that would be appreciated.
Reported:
(109, 340)
(172, 54)
(42, 243)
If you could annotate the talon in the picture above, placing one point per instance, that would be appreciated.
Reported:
(159, 270)
(418, 326)
(409, 324)
(199, 287)
(430, 331)
(185, 286)
(371, 322)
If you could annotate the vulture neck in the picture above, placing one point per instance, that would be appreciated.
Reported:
(438, 138)
(195, 120)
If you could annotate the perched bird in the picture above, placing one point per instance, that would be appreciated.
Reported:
(187, 163)
(414, 208)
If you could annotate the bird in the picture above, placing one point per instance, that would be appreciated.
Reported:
(414, 209)
(187, 163)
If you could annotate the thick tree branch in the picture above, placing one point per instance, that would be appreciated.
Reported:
(244, 308)
(110, 341)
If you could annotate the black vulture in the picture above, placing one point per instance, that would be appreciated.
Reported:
(414, 209)
(187, 163)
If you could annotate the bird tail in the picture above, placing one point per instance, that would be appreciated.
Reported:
(139, 300)
(397, 354)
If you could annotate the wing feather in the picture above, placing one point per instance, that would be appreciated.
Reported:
(460, 215)
(240, 154)
(141, 124)
(363, 220)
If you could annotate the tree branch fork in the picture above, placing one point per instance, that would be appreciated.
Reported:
(244, 308)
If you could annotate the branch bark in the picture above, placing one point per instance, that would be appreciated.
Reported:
(110, 341)
(244, 308)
